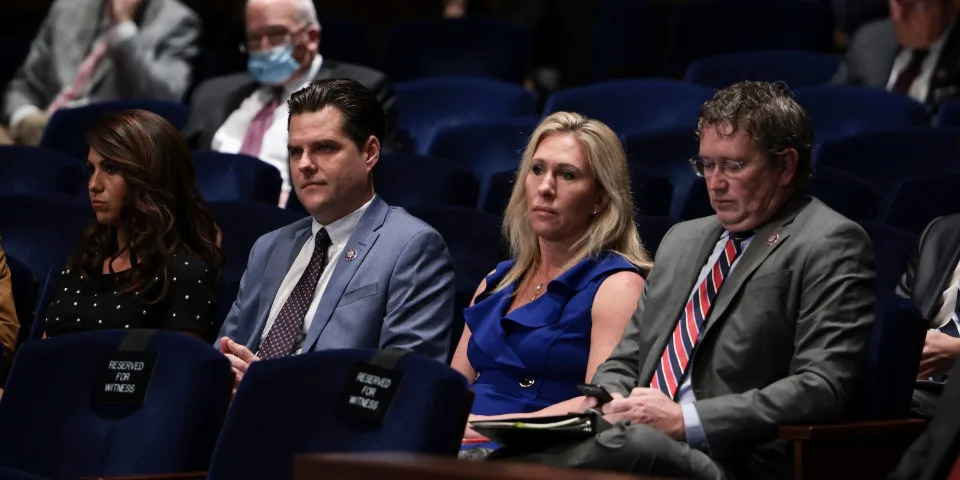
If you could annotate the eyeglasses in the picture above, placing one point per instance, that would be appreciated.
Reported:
(276, 39)
(708, 167)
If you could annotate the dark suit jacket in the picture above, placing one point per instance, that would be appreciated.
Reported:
(874, 47)
(786, 338)
(215, 99)
(932, 455)
(932, 264)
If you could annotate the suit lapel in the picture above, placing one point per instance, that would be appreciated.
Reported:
(944, 256)
(680, 286)
(362, 240)
(279, 263)
(766, 239)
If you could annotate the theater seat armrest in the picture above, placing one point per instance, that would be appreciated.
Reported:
(893, 427)
(155, 476)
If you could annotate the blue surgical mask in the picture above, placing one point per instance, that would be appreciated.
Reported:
(273, 66)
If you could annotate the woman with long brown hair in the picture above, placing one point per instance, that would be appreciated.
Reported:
(150, 260)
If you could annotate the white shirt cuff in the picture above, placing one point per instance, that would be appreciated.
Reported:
(19, 114)
(696, 437)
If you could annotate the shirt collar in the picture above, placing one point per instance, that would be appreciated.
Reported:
(341, 229)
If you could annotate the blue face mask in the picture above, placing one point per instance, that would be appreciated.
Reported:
(274, 66)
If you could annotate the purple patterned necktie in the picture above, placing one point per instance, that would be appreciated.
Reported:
(282, 339)
(253, 139)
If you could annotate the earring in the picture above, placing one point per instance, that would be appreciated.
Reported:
(595, 211)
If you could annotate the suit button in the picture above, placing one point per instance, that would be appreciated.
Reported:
(526, 382)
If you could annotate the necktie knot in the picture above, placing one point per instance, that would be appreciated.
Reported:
(322, 239)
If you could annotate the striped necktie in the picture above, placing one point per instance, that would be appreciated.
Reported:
(676, 356)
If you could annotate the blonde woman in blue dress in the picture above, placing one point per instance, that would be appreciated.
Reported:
(541, 323)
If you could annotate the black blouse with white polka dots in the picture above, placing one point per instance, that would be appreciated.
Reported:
(82, 304)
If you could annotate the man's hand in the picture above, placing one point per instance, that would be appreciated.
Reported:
(122, 10)
(240, 358)
(591, 402)
(648, 406)
(30, 129)
(939, 352)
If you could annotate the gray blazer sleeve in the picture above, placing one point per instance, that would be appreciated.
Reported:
(419, 309)
(157, 61)
(29, 86)
(830, 343)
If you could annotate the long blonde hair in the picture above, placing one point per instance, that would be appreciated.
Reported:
(613, 228)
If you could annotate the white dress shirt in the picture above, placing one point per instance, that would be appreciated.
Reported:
(948, 306)
(229, 137)
(339, 232)
(696, 437)
(921, 85)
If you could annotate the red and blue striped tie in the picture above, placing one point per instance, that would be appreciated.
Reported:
(676, 357)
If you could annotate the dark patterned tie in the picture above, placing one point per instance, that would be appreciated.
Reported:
(283, 337)
(907, 76)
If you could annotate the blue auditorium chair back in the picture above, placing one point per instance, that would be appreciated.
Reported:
(948, 116)
(485, 147)
(652, 193)
(424, 106)
(667, 153)
(498, 192)
(798, 68)
(50, 426)
(920, 199)
(469, 46)
(652, 229)
(407, 180)
(636, 105)
(696, 203)
(345, 40)
(892, 248)
(701, 28)
(41, 231)
(67, 127)
(893, 356)
(241, 224)
(846, 193)
(290, 405)
(623, 31)
(885, 159)
(236, 177)
(39, 171)
(844, 111)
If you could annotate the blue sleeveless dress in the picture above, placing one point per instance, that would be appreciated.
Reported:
(534, 356)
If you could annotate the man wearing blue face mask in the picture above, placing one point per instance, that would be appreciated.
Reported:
(247, 112)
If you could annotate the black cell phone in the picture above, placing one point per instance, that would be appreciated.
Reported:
(595, 391)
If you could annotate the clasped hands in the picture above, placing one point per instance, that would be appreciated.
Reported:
(240, 359)
(648, 406)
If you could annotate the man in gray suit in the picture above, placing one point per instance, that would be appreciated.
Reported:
(357, 273)
(245, 112)
(915, 52)
(96, 50)
(753, 318)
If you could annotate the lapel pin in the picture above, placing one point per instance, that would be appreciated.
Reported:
(351, 254)
(773, 238)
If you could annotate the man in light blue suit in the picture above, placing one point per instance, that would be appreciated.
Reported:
(357, 273)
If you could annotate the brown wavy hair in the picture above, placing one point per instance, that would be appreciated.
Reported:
(162, 214)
